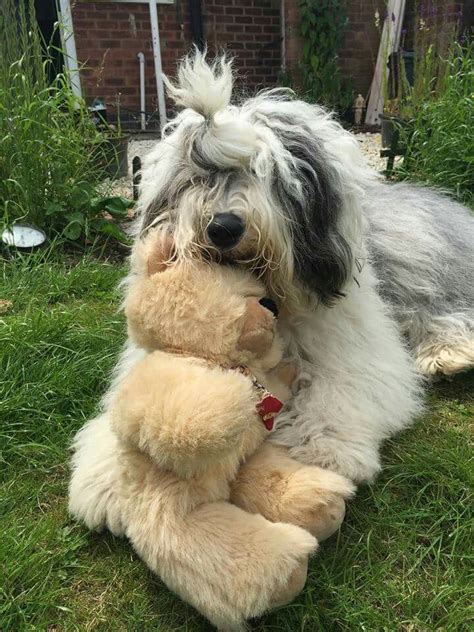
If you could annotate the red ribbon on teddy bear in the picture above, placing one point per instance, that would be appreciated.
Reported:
(269, 406)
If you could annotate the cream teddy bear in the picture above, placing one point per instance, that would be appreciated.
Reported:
(210, 506)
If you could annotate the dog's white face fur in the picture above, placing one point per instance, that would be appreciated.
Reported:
(284, 167)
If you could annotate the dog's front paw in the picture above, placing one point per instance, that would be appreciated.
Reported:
(359, 463)
(445, 360)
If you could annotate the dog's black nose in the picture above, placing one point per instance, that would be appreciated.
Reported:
(226, 230)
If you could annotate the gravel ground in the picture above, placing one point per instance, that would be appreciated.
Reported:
(370, 145)
(139, 147)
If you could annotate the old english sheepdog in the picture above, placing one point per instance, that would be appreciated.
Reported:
(367, 275)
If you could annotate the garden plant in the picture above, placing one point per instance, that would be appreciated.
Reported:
(439, 145)
(51, 154)
(321, 26)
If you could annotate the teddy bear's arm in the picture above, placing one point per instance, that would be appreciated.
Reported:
(186, 415)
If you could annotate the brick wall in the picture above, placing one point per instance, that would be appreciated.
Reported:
(109, 35)
(360, 46)
(358, 54)
(250, 30)
(293, 41)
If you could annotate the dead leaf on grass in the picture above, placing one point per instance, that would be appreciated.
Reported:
(5, 306)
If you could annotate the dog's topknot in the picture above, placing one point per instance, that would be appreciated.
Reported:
(203, 87)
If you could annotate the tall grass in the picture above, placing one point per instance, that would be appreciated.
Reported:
(49, 162)
(440, 147)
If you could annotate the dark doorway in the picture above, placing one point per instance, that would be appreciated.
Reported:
(47, 18)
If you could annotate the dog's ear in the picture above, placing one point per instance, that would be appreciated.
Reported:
(160, 254)
(312, 200)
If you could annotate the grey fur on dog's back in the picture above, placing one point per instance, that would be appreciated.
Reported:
(421, 244)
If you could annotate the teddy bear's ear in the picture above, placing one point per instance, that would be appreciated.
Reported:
(161, 254)
(257, 331)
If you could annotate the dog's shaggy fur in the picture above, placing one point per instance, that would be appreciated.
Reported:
(347, 254)
(354, 263)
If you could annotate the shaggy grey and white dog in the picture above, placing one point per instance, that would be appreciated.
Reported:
(360, 269)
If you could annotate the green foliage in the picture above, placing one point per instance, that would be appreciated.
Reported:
(89, 215)
(402, 560)
(322, 24)
(52, 158)
(440, 148)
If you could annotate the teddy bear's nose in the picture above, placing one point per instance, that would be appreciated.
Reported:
(269, 304)
(226, 230)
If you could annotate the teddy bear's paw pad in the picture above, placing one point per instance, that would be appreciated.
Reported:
(314, 499)
(324, 521)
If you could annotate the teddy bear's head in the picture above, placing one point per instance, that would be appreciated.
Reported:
(200, 308)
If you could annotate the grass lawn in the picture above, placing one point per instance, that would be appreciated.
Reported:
(400, 562)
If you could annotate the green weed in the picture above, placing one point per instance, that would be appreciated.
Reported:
(440, 147)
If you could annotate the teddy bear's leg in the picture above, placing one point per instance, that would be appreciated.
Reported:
(281, 489)
(230, 565)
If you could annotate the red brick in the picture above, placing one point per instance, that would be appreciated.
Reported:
(233, 11)
(213, 11)
(224, 19)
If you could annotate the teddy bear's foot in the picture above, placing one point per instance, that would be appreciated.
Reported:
(327, 519)
(295, 584)
(281, 597)
(314, 500)
(284, 490)
(230, 565)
